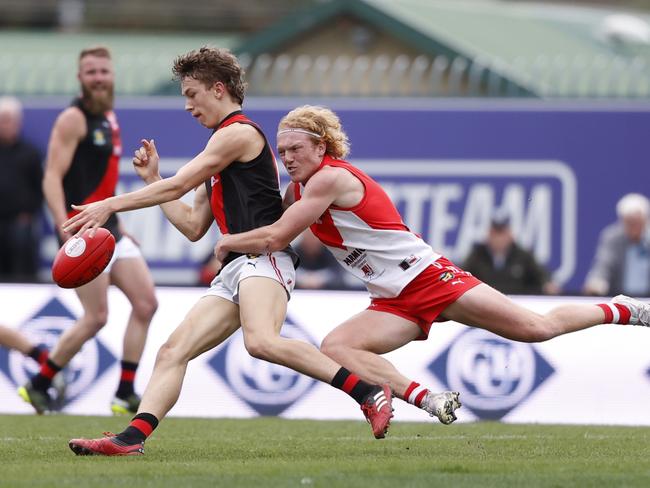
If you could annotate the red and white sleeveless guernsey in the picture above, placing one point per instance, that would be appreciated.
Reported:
(370, 240)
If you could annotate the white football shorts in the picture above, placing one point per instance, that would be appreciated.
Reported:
(277, 266)
(125, 248)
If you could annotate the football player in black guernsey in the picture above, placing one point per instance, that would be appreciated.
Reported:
(82, 167)
(236, 183)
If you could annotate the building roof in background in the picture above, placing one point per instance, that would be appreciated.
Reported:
(43, 63)
(544, 49)
(539, 49)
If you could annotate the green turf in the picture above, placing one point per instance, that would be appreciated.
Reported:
(270, 452)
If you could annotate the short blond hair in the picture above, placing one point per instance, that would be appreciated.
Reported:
(321, 121)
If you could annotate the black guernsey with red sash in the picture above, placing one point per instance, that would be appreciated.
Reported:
(246, 195)
(94, 170)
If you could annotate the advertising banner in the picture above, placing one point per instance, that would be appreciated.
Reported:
(597, 376)
(556, 170)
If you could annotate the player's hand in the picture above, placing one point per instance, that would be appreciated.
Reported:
(220, 252)
(90, 216)
(146, 161)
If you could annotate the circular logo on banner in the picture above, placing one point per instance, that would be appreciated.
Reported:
(268, 388)
(45, 328)
(492, 373)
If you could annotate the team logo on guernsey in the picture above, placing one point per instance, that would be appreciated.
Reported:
(214, 180)
(45, 328)
(410, 261)
(367, 269)
(266, 387)
(494, 375)
(98, 138)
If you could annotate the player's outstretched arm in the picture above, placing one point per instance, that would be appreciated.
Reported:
(225, 146)
(319, 193)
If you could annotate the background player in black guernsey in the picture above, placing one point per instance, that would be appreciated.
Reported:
(82, 166)
(237, 184)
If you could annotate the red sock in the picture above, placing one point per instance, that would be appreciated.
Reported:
(352, 385)
(615, 313)
(415, 393)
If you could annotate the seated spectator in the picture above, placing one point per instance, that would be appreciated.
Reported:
(503, 264)
(318, 268)
(622, 260)
(21, 197)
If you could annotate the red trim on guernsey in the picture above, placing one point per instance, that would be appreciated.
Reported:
(349, 383)
(324, 227)
(216, 198)
(216, 202)
(142, 426)
(106, 187)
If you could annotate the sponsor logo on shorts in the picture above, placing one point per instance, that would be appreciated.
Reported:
(495, 375)
(267, 388)
(446, 276)
(45, 328)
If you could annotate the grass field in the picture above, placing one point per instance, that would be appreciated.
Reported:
(270, 452)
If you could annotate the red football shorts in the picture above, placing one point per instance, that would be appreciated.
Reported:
(426, 297)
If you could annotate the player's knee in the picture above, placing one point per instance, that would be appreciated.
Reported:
(539, 331)
(145, 307)
(95, 321)
(169, 353)
(260, 347)
(333, 347)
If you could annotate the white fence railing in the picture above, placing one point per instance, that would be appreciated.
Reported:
(378, 76)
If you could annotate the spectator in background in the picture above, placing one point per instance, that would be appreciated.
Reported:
(622, 261)
(503, 264)
(21, 197)
(82, 165)
(318, 268)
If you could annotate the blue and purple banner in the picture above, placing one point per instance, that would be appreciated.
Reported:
(557, 170)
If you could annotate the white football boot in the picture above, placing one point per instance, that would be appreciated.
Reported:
(639, 311)
(441, 405)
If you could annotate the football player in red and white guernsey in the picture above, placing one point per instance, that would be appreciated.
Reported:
(237, 184)
(410, 284)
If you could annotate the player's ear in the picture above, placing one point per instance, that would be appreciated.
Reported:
(218, 89)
